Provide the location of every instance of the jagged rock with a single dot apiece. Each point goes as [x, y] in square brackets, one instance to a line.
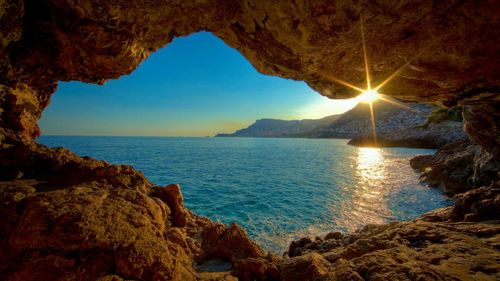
[306, 267]
[104, 228]
[458, 167]
[232, 244]
[257, 269]
[482, 124]
[71, 218]
[60, 233]
[334, 235]
[229, 243]
[172, 196]
[406, 251]
[478, 204]
[294, 248]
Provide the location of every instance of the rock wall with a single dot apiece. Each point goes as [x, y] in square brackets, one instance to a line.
[449, 48]
[71, 218]
[83, 219]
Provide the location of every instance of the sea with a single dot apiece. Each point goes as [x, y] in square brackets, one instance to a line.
[277, 189]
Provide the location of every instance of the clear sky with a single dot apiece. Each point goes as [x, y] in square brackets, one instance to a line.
[195, 86]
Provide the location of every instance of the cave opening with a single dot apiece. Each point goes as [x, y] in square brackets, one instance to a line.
[67, 217]
[156, 120]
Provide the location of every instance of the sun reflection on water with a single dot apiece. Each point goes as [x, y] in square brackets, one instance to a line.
[368, 196]
[369, 162]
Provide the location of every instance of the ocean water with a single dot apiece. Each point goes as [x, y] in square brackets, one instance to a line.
[277, 189]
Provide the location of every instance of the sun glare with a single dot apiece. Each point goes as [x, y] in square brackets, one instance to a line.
[368, 96]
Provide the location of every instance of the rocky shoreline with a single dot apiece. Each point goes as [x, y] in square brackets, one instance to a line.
[457, 167]
[71, 218]
[110, 223]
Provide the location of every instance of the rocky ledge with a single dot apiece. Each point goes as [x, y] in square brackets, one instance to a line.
[113, 225]
[71, 218]
[458, 167]
[117, 226]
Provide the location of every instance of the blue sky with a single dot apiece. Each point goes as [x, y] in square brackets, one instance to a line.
[195, 86]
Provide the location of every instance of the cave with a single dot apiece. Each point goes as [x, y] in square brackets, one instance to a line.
[72, 218]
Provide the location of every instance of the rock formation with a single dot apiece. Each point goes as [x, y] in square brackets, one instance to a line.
[109, 222]
[458, 167]
[71, 218]
[440, 246]
[352, 123]
[276, 128]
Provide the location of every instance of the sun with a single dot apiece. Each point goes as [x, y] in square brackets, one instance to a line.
[368, 96]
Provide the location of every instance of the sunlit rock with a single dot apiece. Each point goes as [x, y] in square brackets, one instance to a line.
[71, 218]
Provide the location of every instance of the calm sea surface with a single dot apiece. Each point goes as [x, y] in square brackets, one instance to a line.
[277, 189]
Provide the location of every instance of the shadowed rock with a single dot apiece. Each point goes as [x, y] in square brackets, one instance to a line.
[458, 167]
[71, 218]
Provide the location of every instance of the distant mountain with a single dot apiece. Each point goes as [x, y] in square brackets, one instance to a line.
[388, 117]
[347, 125]
[281, 128]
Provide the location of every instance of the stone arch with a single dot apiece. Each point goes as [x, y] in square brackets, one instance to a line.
[45, 41]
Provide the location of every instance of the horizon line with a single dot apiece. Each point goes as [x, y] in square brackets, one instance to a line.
[152, 136]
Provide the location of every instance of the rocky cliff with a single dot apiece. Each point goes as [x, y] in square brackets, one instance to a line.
[388, 118]
[71, 218]
[354, 122]
[282, 128]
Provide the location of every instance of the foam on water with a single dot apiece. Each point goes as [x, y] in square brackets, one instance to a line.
[277, 189]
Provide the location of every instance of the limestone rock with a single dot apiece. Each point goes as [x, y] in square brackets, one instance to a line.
[458, 167]
[449, 49]
[172, 196]
[478, 204]
[406, 251]
[103, 226]
[306, 267]
[229, 243]
[258, 269]
[71, 218]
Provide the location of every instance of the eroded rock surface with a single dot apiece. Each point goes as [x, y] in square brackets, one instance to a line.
[111, 224]
[458, 167]
[438, 247]
[71, 218]
[449, 48]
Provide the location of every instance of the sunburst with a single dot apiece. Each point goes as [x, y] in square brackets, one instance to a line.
[371, 94]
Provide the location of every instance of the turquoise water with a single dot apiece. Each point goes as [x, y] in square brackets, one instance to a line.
[277, 189]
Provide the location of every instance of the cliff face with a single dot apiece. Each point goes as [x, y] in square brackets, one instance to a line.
[70, 218]
[450, 48]
[354, 122]
[388, 118]
[282, 128]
